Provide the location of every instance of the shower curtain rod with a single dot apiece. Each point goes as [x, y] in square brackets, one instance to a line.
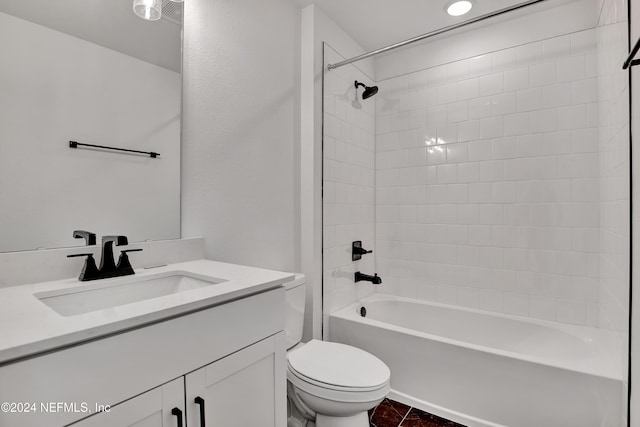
[434, 33]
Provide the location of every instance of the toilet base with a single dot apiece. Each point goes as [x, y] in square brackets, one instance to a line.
[360, 419]
[297, 418]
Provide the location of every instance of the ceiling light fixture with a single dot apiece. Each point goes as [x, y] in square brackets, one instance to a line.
[151, 10]
[458, 7]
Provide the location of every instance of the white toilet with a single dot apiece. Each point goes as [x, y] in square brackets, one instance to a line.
[331, 384]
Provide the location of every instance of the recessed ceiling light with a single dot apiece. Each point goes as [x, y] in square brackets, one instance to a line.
[459, 7]
[151, 10]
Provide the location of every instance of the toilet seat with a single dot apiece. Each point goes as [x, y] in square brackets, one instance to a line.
[337, 367]
[345, 396]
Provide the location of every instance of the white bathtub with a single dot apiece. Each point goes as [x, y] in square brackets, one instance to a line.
[484, 369]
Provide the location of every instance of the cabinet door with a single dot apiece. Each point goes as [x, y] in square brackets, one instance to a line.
[161, 407]
[244, 389]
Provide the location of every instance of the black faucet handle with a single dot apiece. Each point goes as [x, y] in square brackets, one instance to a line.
[118, 240]
[124, 267]
[79, 255]
[90, 270]
[89, 237]
[130, 250]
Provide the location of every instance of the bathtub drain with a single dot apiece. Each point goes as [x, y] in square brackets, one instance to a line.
[363, 311]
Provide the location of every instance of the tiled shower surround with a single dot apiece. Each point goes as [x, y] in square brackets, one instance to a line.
[614, 175]
[614, 166]
[487, 181]
[348, 184]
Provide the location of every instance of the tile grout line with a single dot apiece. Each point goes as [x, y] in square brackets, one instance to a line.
[405, 416]
[371, 424]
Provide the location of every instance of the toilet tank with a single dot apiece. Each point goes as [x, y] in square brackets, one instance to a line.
[295, 298]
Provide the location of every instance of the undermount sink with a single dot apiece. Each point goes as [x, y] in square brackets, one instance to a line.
[99, 296]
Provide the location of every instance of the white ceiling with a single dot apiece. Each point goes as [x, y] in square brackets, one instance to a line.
[378, 23]
[372, 23]
[108, 23]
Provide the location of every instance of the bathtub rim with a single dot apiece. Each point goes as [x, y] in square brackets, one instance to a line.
[606, 362]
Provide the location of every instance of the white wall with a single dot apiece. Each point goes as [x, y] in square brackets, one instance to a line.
[56, 88]
[240, 105]
[317, 28]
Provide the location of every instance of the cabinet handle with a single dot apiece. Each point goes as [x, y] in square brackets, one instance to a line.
[200, 401]
[178, 413]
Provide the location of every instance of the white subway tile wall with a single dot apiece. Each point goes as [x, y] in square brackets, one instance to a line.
[614, 233]
[614, 166]
[349, 179]
[488, 182]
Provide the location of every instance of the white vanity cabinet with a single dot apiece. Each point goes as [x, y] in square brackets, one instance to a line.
[160, 407]
[238, 390]
[231, 355]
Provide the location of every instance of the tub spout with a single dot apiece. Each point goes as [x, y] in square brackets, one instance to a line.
[375, 279]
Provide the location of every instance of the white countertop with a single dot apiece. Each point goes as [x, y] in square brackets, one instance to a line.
[29, 327]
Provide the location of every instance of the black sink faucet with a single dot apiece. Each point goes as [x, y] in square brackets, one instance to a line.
[108, 267]
[107, 263]
[375, 279]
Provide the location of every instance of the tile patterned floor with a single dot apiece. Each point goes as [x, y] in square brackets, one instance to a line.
[390, 413]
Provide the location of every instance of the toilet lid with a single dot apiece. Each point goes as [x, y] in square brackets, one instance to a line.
[339, 365]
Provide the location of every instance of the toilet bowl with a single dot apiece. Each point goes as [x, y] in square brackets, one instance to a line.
[329, 384]
[334, 384]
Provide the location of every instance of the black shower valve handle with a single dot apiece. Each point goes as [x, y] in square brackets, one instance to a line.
[357, 250]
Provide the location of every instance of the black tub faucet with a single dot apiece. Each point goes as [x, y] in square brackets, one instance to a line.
[375, 279]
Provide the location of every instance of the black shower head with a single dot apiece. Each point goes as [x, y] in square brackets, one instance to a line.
[368, 91]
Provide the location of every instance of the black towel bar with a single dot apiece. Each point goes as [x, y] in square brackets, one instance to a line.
[74, 144]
